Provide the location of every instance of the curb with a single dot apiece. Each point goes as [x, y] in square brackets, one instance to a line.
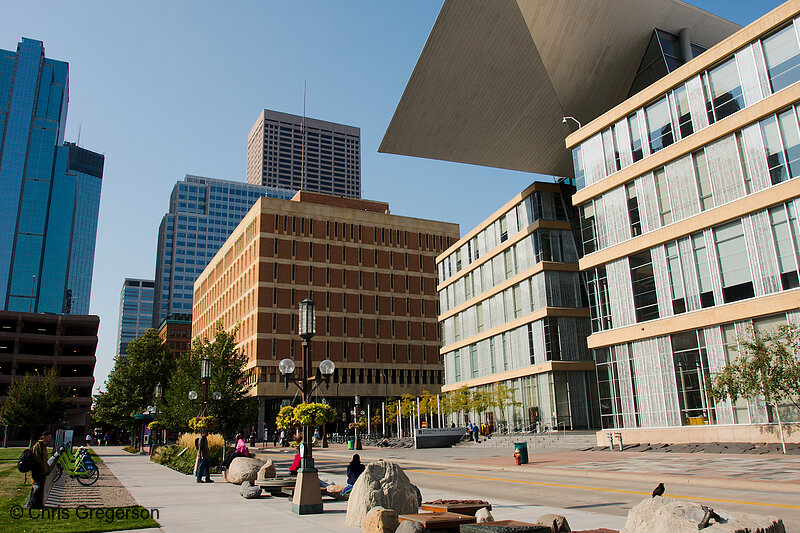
[767, 486]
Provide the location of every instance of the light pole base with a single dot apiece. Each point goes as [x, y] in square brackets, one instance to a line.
[307, 498]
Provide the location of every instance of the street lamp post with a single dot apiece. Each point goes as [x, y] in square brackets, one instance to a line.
[307, 498]
[357, 439]
[205, 375]
[157, 394]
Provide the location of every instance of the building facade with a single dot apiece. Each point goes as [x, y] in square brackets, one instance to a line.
[135, 311]
[49, 190]
[32, 343]
[689, 224]
[202, 214]
[176, 332]
[303, 153]
[372, 276]
[512, 308]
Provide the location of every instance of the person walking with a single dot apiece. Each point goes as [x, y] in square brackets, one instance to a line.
[275, 436]
[203, 456]
[283, 438]
[476, 431]
[252, 438]
[39, 471]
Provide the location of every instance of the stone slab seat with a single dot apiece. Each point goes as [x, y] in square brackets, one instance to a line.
[438, 520]
[504, 526]
[289, 491]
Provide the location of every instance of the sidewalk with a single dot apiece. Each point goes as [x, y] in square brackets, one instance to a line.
[757, 472]
[184, 505]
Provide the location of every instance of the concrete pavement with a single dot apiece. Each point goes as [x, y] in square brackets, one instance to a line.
[183, 505]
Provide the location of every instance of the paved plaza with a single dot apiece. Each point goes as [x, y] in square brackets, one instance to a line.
[186, 506]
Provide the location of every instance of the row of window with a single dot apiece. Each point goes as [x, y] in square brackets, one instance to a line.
[763, 154]
[686, 269]
[772, 63]
[538, 205]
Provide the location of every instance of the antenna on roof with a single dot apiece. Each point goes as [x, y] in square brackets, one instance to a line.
[79, 134]
[303, 133]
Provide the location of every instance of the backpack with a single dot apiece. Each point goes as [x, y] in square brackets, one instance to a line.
[25, 463]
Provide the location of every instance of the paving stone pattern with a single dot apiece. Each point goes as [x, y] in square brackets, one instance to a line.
[107, 491]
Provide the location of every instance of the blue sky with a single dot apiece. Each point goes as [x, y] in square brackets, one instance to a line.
[166, 89]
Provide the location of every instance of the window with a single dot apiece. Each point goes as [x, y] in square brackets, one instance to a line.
[609, 149]
[691, 369]
[644, 286]
[776, 158]
[552, 346]
[785, 237]
[748, 184]
[726, 91]
[662, 191]
[659, 125]
[737, 283]
[473, 359]
[703, 270]
[588, 233]
[675, 278]
[703, 180]
[633, 209]
[782, 56]
[580, 172]
[503, 229]
[597, 288]
[636, 138]
[530, 343]
[684, 115]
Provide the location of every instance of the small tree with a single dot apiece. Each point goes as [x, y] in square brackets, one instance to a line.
[428, 404]
[33, 402]
[502, 397]
[767, 367]
[481, 402]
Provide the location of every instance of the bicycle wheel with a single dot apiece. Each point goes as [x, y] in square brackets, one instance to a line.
[59, 470]
[88, 476]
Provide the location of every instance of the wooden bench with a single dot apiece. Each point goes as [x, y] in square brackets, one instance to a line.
[458, 508]
[438, 520]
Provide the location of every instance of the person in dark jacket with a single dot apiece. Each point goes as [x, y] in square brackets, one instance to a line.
[354, 469]
[203, 456]
[39, 471]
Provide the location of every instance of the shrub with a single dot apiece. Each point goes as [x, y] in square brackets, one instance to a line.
[216, 445]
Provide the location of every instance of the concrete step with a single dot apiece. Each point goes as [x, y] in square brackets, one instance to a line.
[565, 440]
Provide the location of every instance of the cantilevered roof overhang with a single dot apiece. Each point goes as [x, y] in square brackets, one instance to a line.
[496, 77]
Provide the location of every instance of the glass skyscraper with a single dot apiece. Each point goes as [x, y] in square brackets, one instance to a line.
[135, 311]
[49, 190]
[202, 214]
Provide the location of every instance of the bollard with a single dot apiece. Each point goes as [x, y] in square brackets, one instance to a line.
[610, 441]
[619, 436]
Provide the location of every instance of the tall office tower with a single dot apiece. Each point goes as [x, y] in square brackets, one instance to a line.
[511, 309]
[371, 275]
[202, 213]
[135, 311]
[276, 146]
[49, 190]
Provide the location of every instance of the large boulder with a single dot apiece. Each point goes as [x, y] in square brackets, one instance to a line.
[418, 493]
[242, 469]
[557, 520]
[382, 484]
[380, 520]
[249, 492]
[667, 515]
[267, 471]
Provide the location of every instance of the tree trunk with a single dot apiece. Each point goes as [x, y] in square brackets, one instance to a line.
[780, 427]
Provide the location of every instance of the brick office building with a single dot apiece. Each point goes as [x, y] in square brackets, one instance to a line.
[176, 332]
[371, 275]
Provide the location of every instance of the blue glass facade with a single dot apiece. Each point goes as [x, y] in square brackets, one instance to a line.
[135, 311]
[49, 190]
[203, 212]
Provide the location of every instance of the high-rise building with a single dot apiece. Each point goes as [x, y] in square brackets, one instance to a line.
[511, 309]
[49, 190]
[202, 214]
[685, 177]
[303, 153]
[373, 280]
[135, 311]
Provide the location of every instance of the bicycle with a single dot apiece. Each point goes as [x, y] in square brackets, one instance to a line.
[80, 466]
